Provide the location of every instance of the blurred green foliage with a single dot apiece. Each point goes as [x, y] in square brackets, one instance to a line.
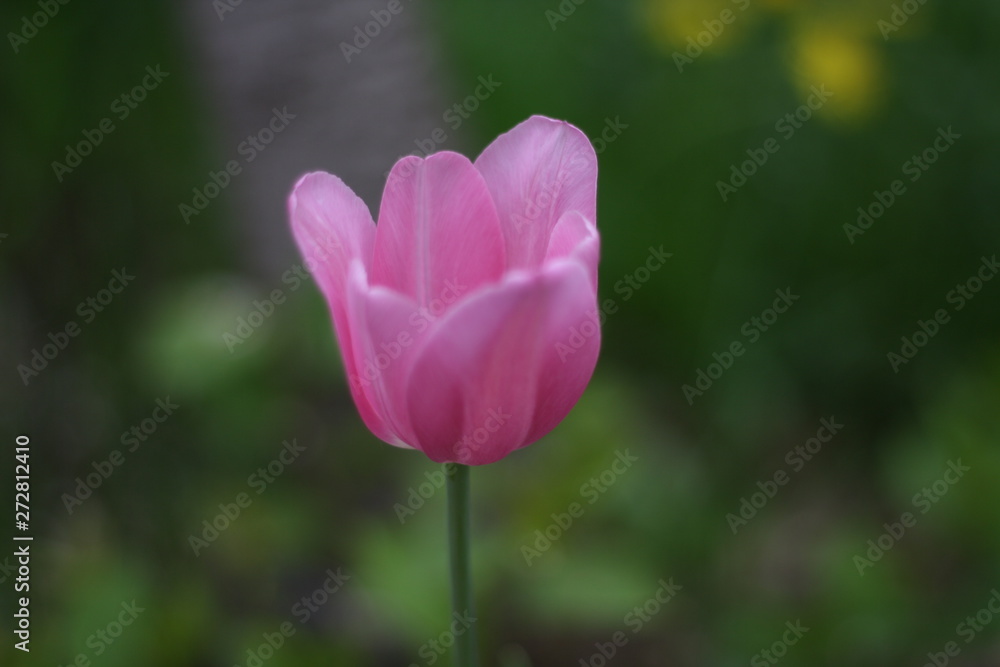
[337, 505]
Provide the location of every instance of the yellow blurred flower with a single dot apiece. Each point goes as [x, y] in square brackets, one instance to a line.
[834, 45]
[844, 59]
[710, 24]
[778, 5]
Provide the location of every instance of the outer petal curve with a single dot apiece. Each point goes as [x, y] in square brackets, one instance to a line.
[386, 336]
[475, 392]
[537, 172]
[333, 228]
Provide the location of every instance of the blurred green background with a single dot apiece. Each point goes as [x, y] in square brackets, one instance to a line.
[675, 119]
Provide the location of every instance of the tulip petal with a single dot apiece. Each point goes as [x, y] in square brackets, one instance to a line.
[388, 330]
[566, 366]
[332, 228]
[438, 231]
[537, 172]
[478, 387]
[575, 236]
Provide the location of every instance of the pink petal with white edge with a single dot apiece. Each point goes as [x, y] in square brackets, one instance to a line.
[537, 172]
[438, 231]
[475, 392]
[575, 236]
[332, 228]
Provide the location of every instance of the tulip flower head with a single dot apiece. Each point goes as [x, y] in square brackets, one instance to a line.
[467, 318]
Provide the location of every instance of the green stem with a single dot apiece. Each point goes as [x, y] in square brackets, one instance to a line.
[461, 577]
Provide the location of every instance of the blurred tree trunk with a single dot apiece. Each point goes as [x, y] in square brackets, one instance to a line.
[353, 119]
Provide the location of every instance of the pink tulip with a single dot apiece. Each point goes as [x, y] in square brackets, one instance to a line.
[467, 319]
